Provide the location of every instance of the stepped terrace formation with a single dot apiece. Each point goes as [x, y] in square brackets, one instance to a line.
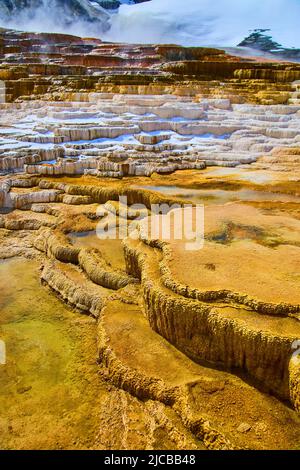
[155, 346]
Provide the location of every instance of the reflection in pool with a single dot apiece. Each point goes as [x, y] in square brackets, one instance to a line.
[49, 386]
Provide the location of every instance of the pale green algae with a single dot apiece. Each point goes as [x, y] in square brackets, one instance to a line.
[50, 391]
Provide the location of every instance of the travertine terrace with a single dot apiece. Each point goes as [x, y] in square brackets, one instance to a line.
[179, 349]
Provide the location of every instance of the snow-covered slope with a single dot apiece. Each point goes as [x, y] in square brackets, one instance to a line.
[54, 15]
[81, 17]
